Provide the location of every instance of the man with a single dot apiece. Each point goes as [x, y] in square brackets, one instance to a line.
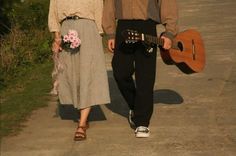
[129, 59]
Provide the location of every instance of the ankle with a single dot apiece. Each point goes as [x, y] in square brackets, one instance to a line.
[83, 124]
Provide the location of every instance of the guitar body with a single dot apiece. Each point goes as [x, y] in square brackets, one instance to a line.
[189, 57]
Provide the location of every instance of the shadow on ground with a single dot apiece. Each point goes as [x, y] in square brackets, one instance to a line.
[162, 96]
[117, 105]
[68, 112]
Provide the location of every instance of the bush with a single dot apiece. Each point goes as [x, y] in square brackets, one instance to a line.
[28, 14]
[28, 41]
[5, 9]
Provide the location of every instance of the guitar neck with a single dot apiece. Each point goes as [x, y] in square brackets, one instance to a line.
[152, 39]
[156, 40]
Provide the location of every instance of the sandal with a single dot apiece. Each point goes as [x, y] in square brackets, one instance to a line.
[79, 136]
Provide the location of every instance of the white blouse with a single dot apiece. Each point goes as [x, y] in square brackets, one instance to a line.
[60, 9]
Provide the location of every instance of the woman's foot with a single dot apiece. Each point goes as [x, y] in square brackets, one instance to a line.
[80, 133]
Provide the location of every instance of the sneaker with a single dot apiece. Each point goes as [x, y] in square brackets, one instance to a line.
[131, 122]
[142, 132]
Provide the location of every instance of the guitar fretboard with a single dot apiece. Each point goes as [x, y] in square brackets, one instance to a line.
[153, 39]
[158, 41]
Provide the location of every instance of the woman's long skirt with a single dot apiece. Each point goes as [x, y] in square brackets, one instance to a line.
[83, 79]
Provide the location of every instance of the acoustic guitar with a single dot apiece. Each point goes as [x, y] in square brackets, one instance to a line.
[187, 51]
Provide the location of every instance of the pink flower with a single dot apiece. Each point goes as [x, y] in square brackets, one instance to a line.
[72, 33]
[76, 44]
[72, 46]
[66, 38]
[77, 41]
[71, 39]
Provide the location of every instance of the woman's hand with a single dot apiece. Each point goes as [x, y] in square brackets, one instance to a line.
[56, 45]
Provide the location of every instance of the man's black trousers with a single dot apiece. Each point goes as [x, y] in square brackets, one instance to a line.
[134, 59]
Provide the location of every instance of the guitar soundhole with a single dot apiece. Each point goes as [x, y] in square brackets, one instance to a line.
[180, 46]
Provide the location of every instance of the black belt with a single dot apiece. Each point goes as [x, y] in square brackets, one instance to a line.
[70, 18]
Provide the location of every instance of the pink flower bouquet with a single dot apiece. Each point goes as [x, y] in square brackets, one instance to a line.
[71, 41]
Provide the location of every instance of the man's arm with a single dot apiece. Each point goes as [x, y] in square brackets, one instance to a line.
[169, 17]
[108, 19]
[109, 22]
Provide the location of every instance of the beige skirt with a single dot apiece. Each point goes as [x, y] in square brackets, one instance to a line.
[82, 80]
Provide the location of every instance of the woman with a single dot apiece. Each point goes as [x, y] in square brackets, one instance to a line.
[82, 78]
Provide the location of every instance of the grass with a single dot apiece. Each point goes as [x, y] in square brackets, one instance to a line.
[27, 93]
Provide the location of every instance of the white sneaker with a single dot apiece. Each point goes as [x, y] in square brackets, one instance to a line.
[142, 132]
[131, 122]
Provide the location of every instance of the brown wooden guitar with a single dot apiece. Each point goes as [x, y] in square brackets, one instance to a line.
[187, 51]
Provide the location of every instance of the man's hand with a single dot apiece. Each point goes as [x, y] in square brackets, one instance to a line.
[167, 43]
[111, 45]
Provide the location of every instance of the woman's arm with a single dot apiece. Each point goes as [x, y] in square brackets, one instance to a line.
[54, 26]
[56, 45]
[53, 21]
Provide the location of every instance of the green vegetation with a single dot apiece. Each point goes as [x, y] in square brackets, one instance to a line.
[28, 41]
[28, 93]
[19, 51]
[25, 60]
